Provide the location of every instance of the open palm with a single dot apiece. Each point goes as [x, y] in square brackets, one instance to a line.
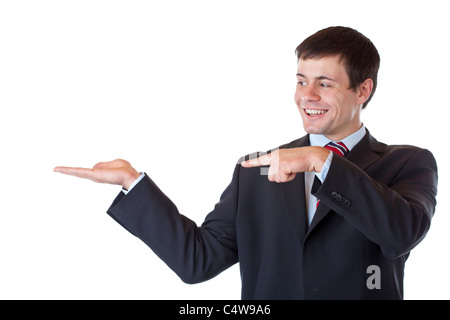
[118, 172]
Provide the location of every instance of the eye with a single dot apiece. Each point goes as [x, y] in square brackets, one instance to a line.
[301, 83]
[324, 85]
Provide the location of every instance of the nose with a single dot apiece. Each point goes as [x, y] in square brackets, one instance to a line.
[308, 93]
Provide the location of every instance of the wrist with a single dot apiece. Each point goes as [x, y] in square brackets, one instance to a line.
[130, 179]
[320, 157]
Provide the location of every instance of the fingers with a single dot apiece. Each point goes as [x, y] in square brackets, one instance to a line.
[257, 162]
[279, 169]
[88, 173]
[77, 172]
[65, 170]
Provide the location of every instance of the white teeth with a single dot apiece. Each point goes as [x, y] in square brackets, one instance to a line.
[315, 112]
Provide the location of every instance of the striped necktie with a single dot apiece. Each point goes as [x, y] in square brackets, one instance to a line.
[338, 148]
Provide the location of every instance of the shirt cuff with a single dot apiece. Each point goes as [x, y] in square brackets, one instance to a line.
[134, 183]
[326, 166]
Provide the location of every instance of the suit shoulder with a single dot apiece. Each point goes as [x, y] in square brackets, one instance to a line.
[404, 148]
[301, 142]
[410, 152]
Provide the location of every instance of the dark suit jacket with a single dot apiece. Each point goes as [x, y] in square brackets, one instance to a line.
[376, 205]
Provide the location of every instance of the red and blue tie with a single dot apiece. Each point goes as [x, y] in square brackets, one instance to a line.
[338, 148]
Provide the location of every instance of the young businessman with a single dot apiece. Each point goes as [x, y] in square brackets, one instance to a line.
[337, 213]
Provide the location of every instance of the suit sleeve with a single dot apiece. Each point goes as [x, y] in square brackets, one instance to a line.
[394, 211]
[194, 253]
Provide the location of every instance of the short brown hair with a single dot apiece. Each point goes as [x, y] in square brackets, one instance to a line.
[356, 51]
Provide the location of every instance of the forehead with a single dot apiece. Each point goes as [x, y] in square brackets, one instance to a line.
[330, 67]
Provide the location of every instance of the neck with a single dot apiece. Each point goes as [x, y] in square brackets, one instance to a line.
[338, 136]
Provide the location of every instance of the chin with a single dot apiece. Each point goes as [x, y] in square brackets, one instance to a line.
[312, 130]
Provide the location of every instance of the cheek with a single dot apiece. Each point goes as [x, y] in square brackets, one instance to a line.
[339, 97]
[297, 96]
[336, 97]
[340, 103]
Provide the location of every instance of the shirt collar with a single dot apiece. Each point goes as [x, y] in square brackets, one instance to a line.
[350, 141]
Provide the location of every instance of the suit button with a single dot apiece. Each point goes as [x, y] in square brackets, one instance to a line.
[347, 202]
[336, 196]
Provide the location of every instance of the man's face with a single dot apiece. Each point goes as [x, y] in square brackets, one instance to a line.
[325, 100]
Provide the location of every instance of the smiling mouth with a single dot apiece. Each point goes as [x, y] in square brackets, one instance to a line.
[315, 112]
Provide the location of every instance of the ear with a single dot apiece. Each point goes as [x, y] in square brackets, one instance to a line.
[365, 89]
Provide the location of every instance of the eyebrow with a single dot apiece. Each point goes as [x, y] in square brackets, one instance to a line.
[317, 78]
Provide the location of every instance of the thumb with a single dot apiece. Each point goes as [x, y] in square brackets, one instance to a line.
[99, 165]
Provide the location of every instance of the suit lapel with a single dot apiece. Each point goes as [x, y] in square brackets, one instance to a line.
[366, 152]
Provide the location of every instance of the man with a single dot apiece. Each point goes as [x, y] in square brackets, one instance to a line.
[328, 221]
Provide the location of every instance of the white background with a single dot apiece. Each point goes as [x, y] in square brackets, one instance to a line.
[182, 89]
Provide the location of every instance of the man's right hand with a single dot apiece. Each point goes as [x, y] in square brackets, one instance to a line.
[118, 172]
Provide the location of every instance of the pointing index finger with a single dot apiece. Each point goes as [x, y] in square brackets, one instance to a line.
[257, 162]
